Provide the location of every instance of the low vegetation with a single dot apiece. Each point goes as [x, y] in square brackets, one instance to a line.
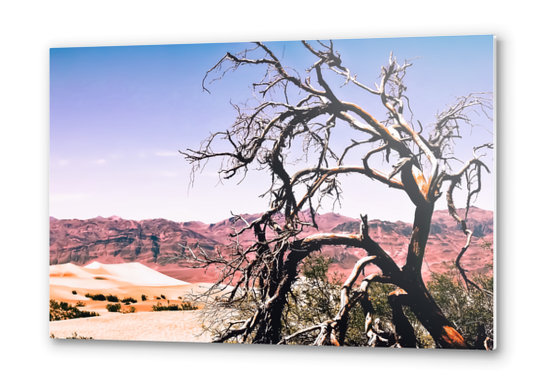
[113, 307]
[64, 311]
[97, 297]
[118, 308]
[471, 311]
[173, 307]
[317, 297]
[112, 298]
[128, 300]
[73, 336]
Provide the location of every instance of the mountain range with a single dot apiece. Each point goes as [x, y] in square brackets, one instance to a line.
[154, 242]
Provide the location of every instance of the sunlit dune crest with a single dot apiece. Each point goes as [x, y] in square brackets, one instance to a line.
[74, 285]
[97, 275]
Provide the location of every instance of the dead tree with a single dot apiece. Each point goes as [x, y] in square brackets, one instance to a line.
[299, 116]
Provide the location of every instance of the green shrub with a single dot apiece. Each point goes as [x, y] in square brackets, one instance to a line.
[118, 308]
[73, 336]
[113, 307]
[128, 300]
[97, 297]
[112, 298]
[466, 310]
[319, 293]
[76, 336]
[64, 311]
[317, 297]
[173, 307]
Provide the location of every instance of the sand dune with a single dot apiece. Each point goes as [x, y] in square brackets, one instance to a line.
[109, 275]
[70, 283]
[148, 326]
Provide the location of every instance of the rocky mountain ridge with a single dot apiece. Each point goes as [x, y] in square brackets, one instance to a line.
[154, 242]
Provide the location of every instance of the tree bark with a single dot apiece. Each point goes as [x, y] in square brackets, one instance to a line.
[269, 330]
[429, 314]
[419, 299]
[404, 331]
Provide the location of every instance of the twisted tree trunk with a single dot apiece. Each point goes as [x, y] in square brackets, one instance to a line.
[419, 300]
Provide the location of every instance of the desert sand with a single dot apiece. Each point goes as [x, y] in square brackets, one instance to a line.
[124, 280]
[146, 326]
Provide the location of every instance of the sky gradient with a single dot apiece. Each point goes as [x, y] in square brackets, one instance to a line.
[119, 115]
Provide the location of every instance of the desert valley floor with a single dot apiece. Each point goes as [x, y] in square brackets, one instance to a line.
[124, 280]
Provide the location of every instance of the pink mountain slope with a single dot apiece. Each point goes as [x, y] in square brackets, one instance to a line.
[155, 242]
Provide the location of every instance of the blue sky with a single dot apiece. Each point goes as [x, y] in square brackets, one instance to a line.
[119, 115]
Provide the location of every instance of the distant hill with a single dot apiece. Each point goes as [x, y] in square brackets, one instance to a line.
[151, 242]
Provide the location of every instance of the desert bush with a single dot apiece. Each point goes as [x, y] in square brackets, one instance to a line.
[112, 298]
[129, 310]
[143, 297]
[80, 304]
[173, 307]
[76, 336]
[163, 297]
[113, 307]
[74, 292]
[64, 311]
[97, 297]
[128, 300]
[317, 295]
[467, 309]
[73, 336]
[315, 298]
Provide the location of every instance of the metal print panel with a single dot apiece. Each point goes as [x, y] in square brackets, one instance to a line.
[297, 193]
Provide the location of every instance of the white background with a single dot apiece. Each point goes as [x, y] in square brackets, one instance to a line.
[28, 29]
